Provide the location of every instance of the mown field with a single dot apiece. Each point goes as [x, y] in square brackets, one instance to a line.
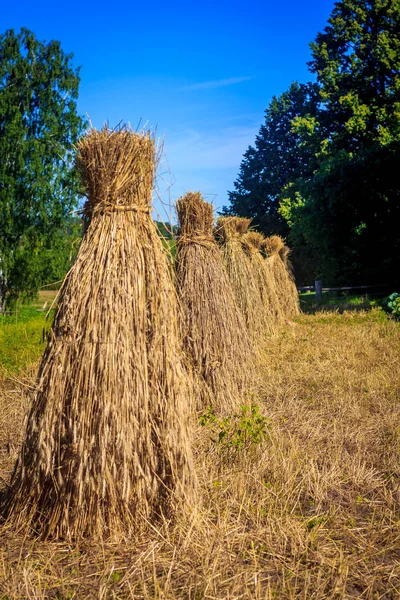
[298, 498]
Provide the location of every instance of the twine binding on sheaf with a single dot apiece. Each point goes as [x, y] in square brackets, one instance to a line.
[197, 238]
[110, 208]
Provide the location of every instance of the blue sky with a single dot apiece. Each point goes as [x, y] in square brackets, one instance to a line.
[201, 74]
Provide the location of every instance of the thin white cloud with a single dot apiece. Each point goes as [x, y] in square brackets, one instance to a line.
[208, 85]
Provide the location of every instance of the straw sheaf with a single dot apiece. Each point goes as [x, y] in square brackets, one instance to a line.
[196, 217]
[281, 272]
[253, 242]
[115, 181]
[231, 227]
[213, 331]
[107, 440]
[285, 253]
[272, 245]
[230, 233]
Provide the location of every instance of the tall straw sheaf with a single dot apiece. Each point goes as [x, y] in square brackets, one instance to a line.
[253, 242]
[278, 267]
[213, 330]
[107, 441]
[230, 232]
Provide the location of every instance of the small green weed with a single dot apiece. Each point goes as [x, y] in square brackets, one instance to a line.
[316, 522]
[116, 576]
[242, 430]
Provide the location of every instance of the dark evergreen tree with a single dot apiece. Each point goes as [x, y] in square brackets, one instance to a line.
[347, 215]
[325, 160]
[279, 156]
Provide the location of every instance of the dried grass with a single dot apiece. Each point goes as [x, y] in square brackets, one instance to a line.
[312, 513]
[278, 267]
[230, 232]
[213, 331]
[107, 444]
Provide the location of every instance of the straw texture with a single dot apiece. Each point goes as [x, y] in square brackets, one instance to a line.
[107, 439]
[213, 330]
[252, 242]
[293, 295]
[278, 265]
[230, 232]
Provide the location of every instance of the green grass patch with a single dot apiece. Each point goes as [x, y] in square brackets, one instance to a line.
[331, 301]
[375, 315]
[22, 339]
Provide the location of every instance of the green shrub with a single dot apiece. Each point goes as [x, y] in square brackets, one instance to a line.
[392, 305]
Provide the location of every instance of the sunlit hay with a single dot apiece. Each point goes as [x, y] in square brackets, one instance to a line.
[277, 263]
[293, 294]
[272, 245]
[284, 253]
[229, 232]
[213, 331]
[266, 282]
[107, 442]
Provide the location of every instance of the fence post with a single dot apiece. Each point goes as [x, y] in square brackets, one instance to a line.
[318, 289]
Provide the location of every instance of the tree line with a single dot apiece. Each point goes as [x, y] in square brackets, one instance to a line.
[323, 169]
[40, 197]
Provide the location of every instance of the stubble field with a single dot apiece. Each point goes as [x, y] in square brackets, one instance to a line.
[298, 500]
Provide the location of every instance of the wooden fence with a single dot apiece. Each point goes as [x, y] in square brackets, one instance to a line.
[318, 288]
